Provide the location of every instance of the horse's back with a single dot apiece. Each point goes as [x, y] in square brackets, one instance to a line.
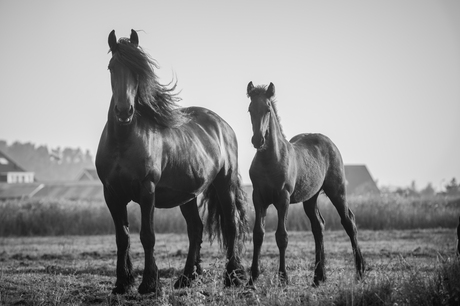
[318, 159]
[318, 146]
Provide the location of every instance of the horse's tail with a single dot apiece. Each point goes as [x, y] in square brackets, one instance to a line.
[217, 216]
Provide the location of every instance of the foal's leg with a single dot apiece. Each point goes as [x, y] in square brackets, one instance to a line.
[150, 281]
[281, 235]
[195, 233]
[119, 214]
[338, 199]
[317, 226]
[258, 234]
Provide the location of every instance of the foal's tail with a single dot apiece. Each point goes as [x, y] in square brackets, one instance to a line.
[226, 215]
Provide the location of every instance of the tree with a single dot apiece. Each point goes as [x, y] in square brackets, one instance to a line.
[453, 189]
[428, 191]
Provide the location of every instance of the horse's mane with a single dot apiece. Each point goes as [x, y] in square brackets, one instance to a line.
[155, 100]
[262, 90]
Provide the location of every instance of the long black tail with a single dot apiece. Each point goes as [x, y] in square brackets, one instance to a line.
[216, 222]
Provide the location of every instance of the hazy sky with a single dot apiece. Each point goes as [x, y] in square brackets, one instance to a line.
[380, 78]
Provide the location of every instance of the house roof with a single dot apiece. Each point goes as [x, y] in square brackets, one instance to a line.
[89, 190]
[88, 174]
[8, 165]
[359, 180]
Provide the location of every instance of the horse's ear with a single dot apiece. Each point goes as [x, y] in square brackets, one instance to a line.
[270, 90]
[250, 88]
[113, 42]
[134, 39]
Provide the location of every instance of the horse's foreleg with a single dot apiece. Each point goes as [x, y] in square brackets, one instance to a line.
[281, 235]
[119, 214]
[258, 235]
[317, 227]
[150, 281]
[195, 233]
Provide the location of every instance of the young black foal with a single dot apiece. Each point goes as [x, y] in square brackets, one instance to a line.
[284, 172]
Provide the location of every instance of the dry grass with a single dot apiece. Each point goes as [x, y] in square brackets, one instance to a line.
[415, 267]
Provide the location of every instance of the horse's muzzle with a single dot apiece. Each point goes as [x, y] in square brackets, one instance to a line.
[124, 116]
[258, 142]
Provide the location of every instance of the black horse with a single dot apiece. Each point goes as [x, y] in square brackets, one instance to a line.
[284, 172]
[161, 156]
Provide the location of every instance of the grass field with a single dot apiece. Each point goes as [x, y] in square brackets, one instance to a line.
[404, 267]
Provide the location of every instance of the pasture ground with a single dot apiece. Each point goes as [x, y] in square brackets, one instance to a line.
[80, 270]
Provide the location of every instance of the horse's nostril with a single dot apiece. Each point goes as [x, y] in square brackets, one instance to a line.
[131, 110]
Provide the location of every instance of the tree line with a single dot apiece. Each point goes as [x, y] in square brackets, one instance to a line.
[48, 164]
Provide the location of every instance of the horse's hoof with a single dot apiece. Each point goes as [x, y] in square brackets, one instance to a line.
[148, 287]
[317, 281]
[121, 289]
[182, 282]
[235, 278]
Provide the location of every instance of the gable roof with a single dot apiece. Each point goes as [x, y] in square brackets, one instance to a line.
[359, 180]
[8, 165]
[88, 174]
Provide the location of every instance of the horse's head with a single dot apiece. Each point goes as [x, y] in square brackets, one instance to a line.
[260, 110]
[124, 80]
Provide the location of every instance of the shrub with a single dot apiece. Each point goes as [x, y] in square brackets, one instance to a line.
[72, 217]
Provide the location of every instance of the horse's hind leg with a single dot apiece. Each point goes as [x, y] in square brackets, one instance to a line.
[317, 226]
[338, 198]
[229, 195]
[195, 233]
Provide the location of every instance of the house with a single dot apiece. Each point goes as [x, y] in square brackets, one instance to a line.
[10, 172]
[359, 180]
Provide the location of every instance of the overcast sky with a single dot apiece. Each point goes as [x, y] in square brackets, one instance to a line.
[380, 78]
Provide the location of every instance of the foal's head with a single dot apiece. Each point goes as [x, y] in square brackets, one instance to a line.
[260, 109]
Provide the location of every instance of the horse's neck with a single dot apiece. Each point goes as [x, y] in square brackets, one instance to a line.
[277, 145]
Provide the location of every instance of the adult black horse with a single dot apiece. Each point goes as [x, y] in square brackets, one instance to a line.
[284, 172]
[161, 156]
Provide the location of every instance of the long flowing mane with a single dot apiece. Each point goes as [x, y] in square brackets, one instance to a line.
[154, 100]
[262, 90]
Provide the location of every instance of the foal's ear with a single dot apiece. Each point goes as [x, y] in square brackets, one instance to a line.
[113, 42]
[270, 90]
[134, 39]
[250, 88]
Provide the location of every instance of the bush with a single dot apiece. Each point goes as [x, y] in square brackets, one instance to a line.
[66, 217]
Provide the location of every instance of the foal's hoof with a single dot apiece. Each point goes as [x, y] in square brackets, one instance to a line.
[148, 287]
[250, 286]
[182, 282]
[283, 278]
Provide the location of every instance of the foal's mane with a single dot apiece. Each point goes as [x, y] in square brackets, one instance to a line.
[155, 100]
[261, 90]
